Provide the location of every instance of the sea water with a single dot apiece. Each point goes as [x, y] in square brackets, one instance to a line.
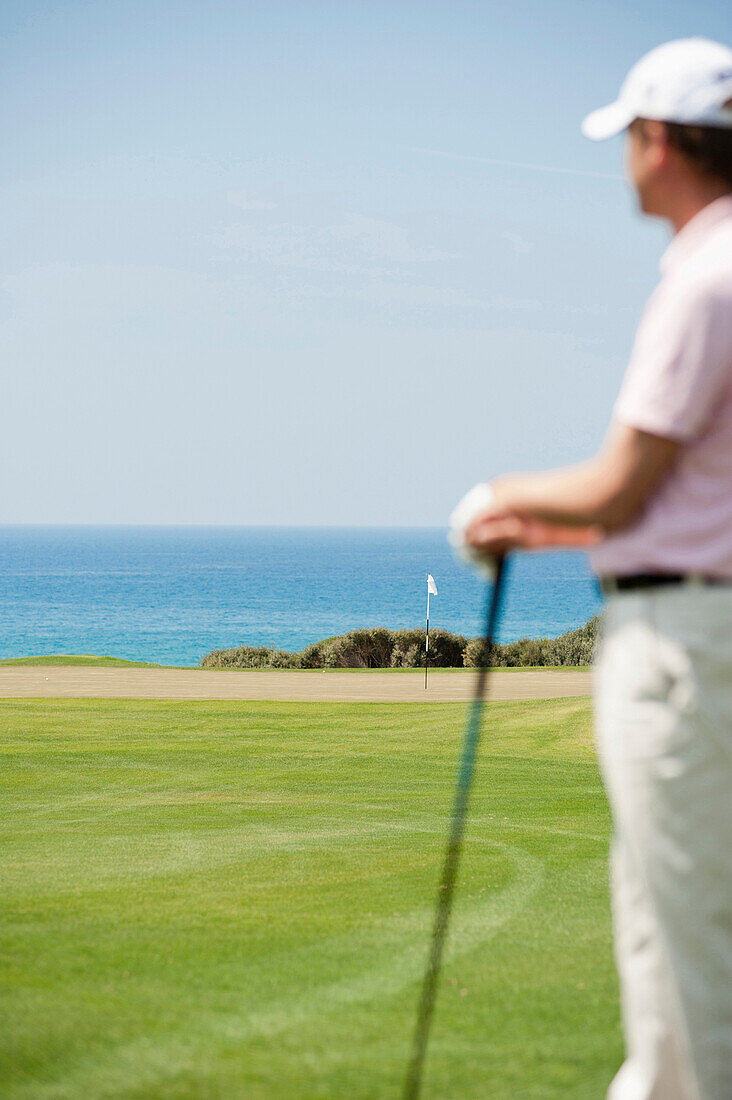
[171, 594]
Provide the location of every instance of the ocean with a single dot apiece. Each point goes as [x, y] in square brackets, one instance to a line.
[171, 594]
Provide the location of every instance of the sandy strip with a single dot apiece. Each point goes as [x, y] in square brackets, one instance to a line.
[68, 682]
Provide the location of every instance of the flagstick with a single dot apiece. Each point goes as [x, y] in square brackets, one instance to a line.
[427, 638]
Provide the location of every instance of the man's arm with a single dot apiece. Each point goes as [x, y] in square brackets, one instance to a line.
[601, 495]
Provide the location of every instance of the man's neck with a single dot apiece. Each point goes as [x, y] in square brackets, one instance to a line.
[689, 201]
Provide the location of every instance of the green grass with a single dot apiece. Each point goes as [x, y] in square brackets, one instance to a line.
[232, 901]
[79, 659]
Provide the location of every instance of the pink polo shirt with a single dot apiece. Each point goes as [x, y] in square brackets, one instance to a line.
[678, 385]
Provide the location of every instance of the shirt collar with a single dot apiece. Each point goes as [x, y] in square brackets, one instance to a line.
[695, 232]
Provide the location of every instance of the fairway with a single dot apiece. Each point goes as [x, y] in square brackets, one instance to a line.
[234, 899]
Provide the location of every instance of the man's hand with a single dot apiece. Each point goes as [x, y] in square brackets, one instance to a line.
[481, 528]
[493, 533]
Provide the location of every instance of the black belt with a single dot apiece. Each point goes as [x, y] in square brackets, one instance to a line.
[634, 581]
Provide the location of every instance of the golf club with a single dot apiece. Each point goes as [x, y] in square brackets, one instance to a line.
[413, 1083]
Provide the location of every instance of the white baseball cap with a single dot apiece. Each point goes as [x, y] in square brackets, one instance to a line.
[687, 81]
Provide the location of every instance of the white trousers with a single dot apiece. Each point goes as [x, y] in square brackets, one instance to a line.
[663, 685]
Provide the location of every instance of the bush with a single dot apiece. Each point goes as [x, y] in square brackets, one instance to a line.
[381, 648]
[576, 647]
[404, 655]
[446, 649]
[358, 649]
[249, 656]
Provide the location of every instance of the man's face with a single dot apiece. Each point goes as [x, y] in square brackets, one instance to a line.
[645, 159]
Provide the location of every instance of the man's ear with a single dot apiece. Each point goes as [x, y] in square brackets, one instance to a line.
[655, 131]
[656, 137]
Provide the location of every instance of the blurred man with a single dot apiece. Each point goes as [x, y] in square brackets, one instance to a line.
[655, 506]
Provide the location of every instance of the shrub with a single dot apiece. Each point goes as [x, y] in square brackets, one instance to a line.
[404, 655]
[249, 656]
[446, 649]
[576, 647]
[381, 648]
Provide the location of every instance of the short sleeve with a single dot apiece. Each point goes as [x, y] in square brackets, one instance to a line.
[681, 361]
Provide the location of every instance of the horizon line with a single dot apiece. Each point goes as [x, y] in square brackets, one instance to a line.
[241, 526]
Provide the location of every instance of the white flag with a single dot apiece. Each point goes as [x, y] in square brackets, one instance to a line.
[431, 586]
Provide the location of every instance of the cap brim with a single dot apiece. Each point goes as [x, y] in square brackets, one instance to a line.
[607, 121]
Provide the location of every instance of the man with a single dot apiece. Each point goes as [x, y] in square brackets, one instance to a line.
[655, 506]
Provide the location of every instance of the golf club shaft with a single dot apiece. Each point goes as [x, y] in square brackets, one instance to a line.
[413, 1083]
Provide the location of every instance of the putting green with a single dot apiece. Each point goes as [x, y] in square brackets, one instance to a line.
[74, 660]
[222, 899]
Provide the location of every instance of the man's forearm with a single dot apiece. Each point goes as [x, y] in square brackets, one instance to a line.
[609, 491]
[580, 496]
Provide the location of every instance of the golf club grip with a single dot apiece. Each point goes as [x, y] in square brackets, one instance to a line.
[413, 1083]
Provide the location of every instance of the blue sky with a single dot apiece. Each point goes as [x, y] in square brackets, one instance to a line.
[311, 263]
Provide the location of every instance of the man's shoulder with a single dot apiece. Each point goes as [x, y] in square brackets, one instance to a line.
[703, 280]
[709, 268]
